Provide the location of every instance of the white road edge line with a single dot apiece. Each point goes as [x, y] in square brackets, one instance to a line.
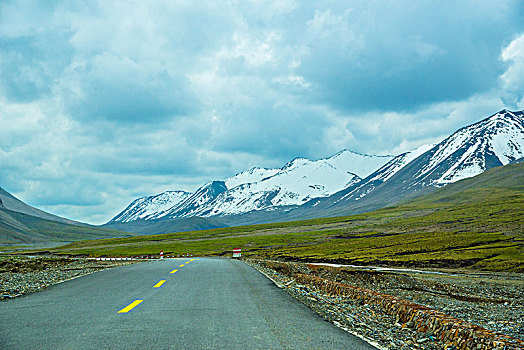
[367, 340]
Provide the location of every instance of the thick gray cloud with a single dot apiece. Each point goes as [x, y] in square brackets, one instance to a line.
[120, 89]
[393, 56]
[101, 102]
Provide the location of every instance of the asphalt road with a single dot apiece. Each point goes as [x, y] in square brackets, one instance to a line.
[205, 304]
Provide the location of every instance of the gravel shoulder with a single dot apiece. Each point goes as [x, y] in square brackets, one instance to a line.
[21, 275]
[494, 301]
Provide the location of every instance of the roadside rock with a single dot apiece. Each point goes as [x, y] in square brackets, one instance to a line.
[410, 311]
[24, 275]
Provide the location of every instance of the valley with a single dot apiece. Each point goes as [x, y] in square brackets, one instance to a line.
[476, 223]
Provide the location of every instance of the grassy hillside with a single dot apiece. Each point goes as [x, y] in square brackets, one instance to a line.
[475, 223]
[10, 202]
[17, 227]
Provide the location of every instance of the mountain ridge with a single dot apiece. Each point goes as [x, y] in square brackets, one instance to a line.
[472, 149]
[10, 202]
[257, 188]
[423, 174]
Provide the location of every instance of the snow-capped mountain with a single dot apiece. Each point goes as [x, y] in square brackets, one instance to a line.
[252, 175]
[360, 189]
[349, 182]
[193, 205]
[150, 207]
[494, 141]
[265, 189]
[296, 183]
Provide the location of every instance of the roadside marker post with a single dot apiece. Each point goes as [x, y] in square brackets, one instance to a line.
[237, 252]
[161, 254]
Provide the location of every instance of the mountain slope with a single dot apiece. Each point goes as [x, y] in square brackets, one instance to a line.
[10, 202]
[22, 223]
[150, 207]
[17, 227]
[158, 226]
[509, 178]
[193, 204]
[494, 141]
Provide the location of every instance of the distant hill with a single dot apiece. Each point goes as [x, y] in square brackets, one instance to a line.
[10, 202]
[22, 223]
[16, 227]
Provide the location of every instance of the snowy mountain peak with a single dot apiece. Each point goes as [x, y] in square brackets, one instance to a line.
[295, 163]
[295, 183]
[254, 174]
[359, 164]
[494, 141]
[150, 207]
[348, 151]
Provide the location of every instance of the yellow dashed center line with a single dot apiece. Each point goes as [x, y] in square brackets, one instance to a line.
[161, 282]
[130, 306]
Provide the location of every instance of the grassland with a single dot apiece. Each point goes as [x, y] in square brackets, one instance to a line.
[476, 223]
[484, 235]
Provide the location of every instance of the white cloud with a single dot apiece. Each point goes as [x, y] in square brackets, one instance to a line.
[103, 102]
[513, 78]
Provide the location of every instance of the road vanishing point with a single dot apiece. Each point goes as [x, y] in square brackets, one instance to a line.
[189, 303]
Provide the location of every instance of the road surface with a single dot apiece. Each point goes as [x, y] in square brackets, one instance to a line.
[174, 303]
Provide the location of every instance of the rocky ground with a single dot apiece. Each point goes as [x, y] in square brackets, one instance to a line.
[20, 275]
[493, 301]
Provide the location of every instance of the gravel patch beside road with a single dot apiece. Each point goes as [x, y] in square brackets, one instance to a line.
[493, 301]
[23, 275]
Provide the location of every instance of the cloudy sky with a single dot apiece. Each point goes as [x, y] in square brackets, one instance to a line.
[105, 101]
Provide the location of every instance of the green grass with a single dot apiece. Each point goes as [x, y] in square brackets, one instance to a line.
[415, 235]
[476, 223]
